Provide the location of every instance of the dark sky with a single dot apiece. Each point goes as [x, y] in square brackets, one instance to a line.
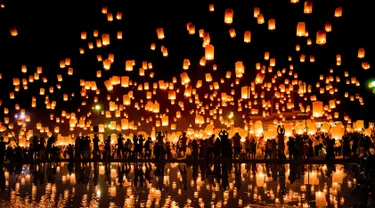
[50, 31]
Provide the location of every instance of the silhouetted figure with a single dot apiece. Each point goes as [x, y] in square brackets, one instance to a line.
[148, 148]
[291, 148]
[107, 148]
[2, 149]
[345, 146]
[96, 152]
[237, 145]
[120, 145]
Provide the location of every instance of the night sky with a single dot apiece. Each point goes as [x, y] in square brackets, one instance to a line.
[49, 31]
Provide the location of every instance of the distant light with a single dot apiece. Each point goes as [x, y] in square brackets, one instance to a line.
[22, 116]
[372, 84]
[97, 107]
[230, 116]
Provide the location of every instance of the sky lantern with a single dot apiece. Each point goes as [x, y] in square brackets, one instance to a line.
[308, 7]
[119, 15]
[294, 1]
[105, 39]
[256, 12]
[232, 33]
[328, 27]
[260, 19]
[109, 17]
[160, 33]
[13, 31]
[211, 7]
[247, 37]
[321, 37]
[301, 29]
[365, 65]
[228, 17]
[318, 109]
[271, 24]
[209, 52]
[338, 12]
[83, 35]
[361, 53]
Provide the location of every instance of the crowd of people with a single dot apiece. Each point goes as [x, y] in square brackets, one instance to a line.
[298, 147]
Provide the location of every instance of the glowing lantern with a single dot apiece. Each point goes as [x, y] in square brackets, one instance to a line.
[361, 53]
[260, 19]
[365, 65]
[247, 37]
[13, 32]
[256, 12]
[321, 37]
[211, 8]
[328, 27]
[228, 17]
[258, 126]
[308, 6]
[317, 109]
[245, 92]
[271, 24]
[160, 33]
[209, 52]
[338, 12]
[301, 29]
[165, 121]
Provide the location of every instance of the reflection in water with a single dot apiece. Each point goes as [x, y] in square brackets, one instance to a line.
[176, 184]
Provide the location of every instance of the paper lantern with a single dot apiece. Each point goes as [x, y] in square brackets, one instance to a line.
[317, 109]
[258, 127]
[13, 31]
[361, 53]
[245, 92]
[337, 131]
[325, 127]
[308, 6]
[247, 37]
[338, 12]
[211, 7]
[209, 52]
[228, 17]
[321, 37]
[271, 24]
[301, 29]
[160, 33]
[256, 12]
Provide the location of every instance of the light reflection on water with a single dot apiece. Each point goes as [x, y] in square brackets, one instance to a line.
[176, 185]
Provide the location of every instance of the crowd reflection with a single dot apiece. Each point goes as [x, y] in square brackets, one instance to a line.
[178, 184]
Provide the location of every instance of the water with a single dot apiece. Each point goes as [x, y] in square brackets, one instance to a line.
[177, 185]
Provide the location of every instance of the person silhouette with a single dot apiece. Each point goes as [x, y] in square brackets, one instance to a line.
[2, 149]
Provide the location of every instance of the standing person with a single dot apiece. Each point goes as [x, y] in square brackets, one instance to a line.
[2, 149]
[107, 148]
[182, 140]
[148, 148]
[140, 145]
[120, 146]
[237, 145]
[96, 152]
